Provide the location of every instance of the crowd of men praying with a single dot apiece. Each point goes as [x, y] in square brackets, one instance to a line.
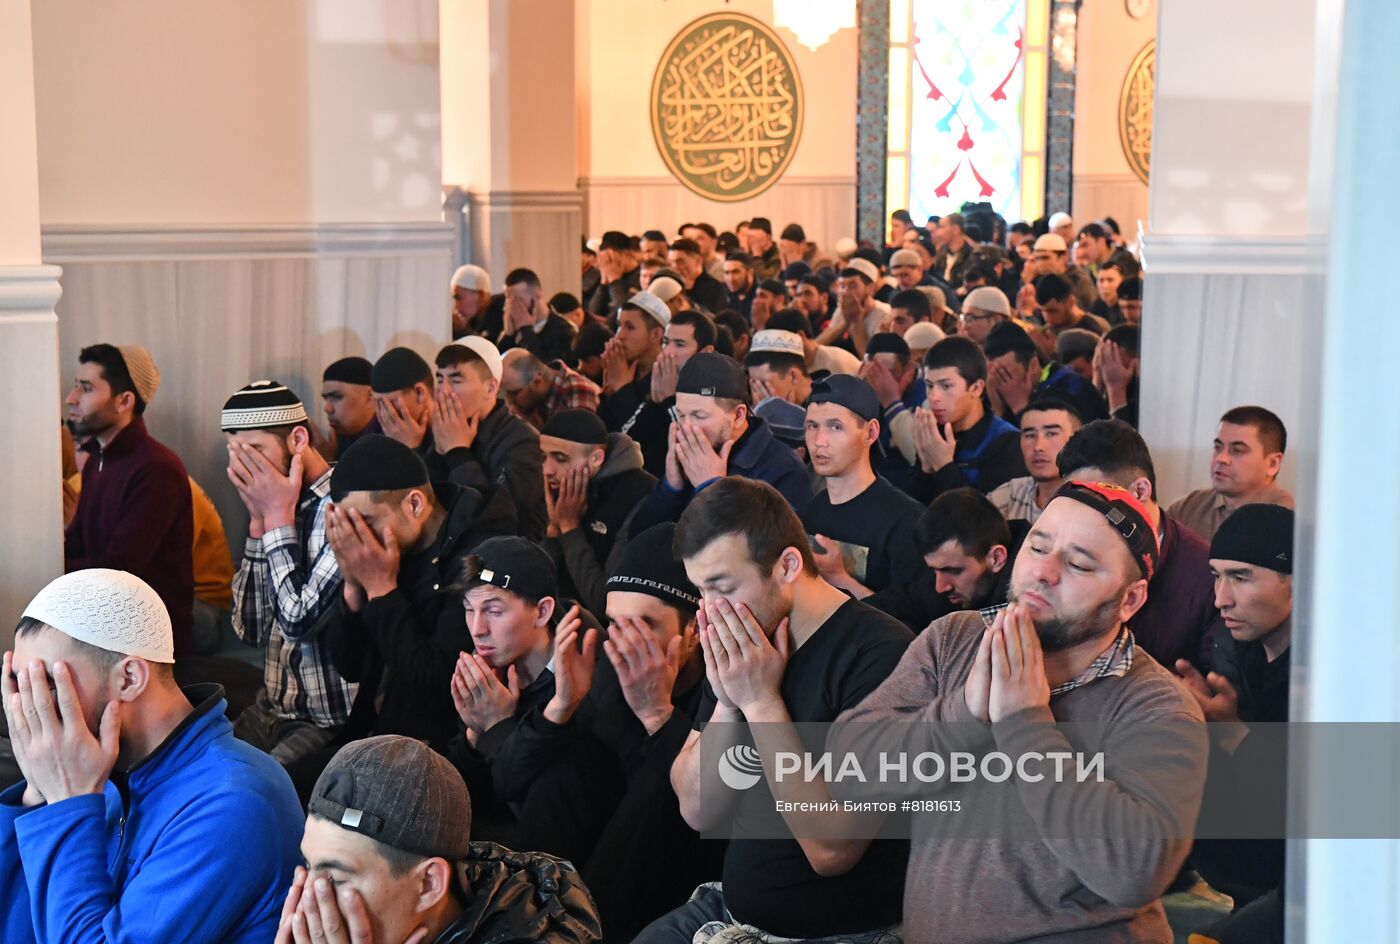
[510, 603]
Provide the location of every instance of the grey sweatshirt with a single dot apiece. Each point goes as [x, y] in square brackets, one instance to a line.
[1056, 889]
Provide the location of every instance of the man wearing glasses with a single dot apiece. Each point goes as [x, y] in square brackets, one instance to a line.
[981, 311]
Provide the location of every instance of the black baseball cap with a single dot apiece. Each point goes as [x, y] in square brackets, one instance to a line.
[714, 375]
[511, 563]
[849, 391]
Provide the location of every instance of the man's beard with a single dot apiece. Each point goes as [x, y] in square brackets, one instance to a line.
[92, 424]
[1059, 633]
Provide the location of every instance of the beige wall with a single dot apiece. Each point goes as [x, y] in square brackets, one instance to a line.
[626, 184]
[261, 111]
[1232, 117]
[1109, 39]
[19, 157]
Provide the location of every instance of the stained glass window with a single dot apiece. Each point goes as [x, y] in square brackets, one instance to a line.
[966, 106]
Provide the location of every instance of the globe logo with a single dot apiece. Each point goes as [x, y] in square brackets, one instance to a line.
[740, 767]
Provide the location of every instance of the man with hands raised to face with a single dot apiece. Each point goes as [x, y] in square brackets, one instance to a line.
[629, 356]
[478, 442]
[390, 860]
[998, 681]
[688, 333]
[593, 482]
[132, 786]
[399, 542]
[715, 435]
[956, 439]
[510, 597]
[529, 323]
[288, 579]
[780, 645]
[597, 757]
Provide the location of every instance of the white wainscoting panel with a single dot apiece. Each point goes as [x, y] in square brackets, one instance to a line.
[224, 306]
[1225, 323]
[540, 230]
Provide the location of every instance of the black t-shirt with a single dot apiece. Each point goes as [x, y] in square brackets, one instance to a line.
[769, 883]
[878, 528]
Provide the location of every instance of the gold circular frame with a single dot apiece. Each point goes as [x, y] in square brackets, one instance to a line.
[1135, 111]
[684, 125]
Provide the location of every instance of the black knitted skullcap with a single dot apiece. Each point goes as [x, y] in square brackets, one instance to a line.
[576, 426]
[377, 463]
[398, 369]
[351, 370]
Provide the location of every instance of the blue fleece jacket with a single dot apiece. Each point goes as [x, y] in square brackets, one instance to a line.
[196, 843]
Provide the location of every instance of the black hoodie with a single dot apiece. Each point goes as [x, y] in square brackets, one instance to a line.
[584, 554]
[407, 641]
[506, 452]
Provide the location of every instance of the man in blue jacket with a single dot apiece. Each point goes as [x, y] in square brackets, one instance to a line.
[140, 818]
[713, 434]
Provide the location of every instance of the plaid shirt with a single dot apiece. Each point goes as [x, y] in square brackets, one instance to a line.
[276, 589]
[571, 390]
[1016, 499]
[1116, 660]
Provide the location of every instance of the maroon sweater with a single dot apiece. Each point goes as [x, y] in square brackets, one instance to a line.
[1180, 607]
[135, 514]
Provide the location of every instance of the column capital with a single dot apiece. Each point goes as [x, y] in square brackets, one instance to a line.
[29, 293]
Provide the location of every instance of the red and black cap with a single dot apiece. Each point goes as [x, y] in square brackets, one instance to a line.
[1125, 514]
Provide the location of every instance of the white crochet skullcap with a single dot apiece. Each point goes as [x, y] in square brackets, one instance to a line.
[109, 609]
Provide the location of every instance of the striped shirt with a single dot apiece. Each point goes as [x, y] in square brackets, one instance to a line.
[1116, 660]
[283, 588]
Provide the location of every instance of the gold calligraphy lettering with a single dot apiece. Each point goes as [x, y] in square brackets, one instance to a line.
[1135, 111]
[726, 107]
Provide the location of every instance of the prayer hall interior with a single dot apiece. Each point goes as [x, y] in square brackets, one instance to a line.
[432, 300]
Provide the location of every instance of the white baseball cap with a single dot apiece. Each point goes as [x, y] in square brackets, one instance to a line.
[471, 277]
[109, 609]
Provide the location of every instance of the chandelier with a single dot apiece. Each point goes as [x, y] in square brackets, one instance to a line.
[814, 21]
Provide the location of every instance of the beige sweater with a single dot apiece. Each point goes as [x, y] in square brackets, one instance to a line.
[1058, 888]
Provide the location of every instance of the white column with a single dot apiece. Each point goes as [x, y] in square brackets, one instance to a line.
[1351, 888]
[510, 134]
[31, 540]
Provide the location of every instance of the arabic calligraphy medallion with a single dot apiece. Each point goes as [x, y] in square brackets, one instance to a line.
[1135, 111]
[726, 107]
